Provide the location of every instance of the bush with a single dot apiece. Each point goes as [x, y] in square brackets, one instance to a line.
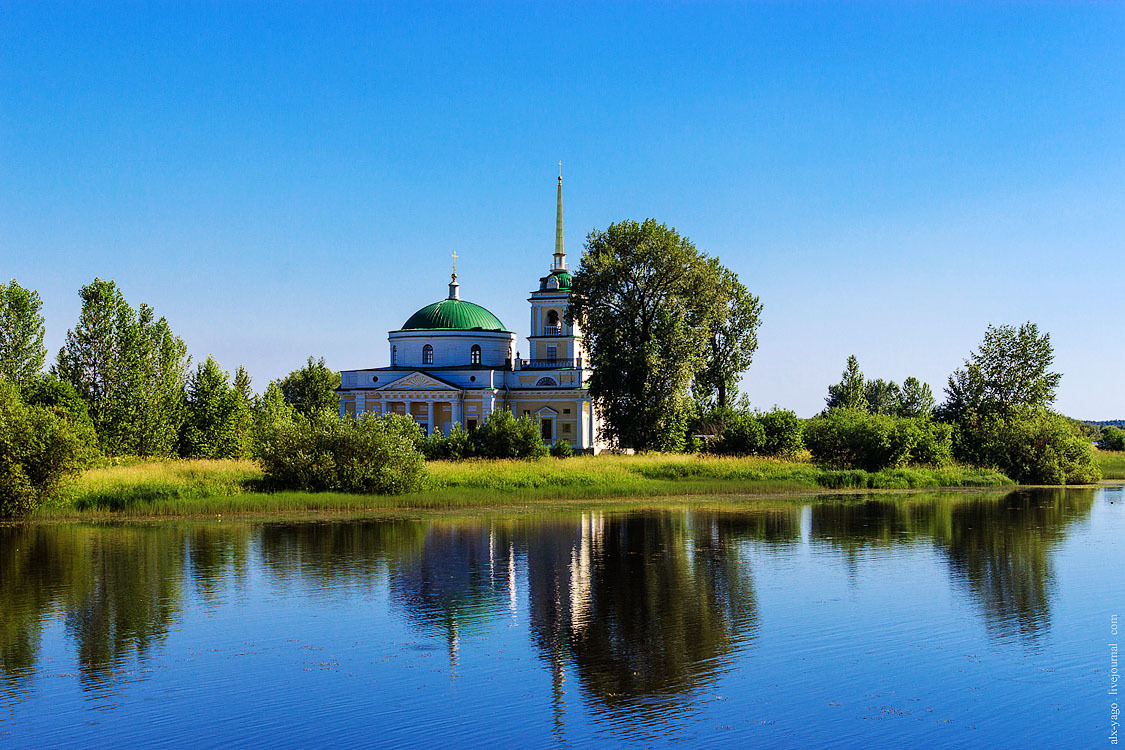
[39, 450]
[458, 445]
[1032, 446]
[1112, 439]
[562, 449]
[504, 436]
[743, 435]
[368, 455]
[62, 399]
[784, 433]
[855, 439]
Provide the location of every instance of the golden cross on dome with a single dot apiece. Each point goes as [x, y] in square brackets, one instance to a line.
[454, 256]
[560, 170]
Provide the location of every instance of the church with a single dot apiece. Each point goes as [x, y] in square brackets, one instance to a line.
[454, 362]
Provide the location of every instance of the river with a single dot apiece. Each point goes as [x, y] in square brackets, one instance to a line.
[944, 619]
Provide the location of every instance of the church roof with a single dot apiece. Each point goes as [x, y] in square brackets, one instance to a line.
[453, 314]
[563, 278]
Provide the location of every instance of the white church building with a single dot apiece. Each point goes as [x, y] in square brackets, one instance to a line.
[454, 362]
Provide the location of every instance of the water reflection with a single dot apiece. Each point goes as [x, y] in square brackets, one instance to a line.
[644, 611]
[998, 548]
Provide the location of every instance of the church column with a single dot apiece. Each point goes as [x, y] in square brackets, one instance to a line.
[455, 411]
[342, 412]
[579, 406]
[430, 417]
[360, 404]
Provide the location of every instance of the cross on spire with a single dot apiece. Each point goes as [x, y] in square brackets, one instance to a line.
[454, 256]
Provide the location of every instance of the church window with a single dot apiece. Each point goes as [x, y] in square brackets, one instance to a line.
[394, 356]
[552, 318]
[552, 352]
[545, 381]
[474, 355]
[566, 429]
[427, 355]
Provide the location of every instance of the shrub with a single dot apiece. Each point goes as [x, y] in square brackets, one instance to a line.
[504, 436]
[1030, 445]
[368, 455]
[458, 445]
[62, 399]
[784, 433]
[39, 450]
[1112, 439]
[855, 439]
[562, 449]
[743, 435]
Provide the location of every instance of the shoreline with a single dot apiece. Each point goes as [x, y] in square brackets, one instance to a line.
[185, 490]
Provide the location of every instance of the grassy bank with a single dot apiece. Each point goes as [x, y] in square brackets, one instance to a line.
[198, 488]
[1112, 463]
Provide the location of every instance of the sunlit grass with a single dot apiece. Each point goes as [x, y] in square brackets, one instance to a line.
[1112, 463]
[207, 488]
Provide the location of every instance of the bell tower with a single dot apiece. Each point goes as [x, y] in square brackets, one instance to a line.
[554, 343]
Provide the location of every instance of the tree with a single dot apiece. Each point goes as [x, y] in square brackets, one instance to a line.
[1010, 369]
[734, 320]
[883, 397]
[312, 389]
[1112, 439]
[850, 392]
[129, 369]
[38, 451]
[22, 353]
[916, 399]
[213, 414]
[644, 300]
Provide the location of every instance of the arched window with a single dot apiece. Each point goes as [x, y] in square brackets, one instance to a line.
[552, 318]
[474, 355]
[546, 381]
[394, 356]
[427, 355]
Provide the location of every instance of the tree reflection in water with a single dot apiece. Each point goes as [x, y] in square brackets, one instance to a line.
[645, 609]
[998, 545]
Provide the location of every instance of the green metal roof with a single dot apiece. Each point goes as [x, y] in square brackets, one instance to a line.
[562, 276]
[453, 314]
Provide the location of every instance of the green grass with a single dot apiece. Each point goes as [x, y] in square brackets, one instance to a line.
[1112, 463]
[209, 488]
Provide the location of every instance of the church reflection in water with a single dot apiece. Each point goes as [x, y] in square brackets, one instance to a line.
[642, 610]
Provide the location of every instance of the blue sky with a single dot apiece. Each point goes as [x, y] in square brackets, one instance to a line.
[281, 180]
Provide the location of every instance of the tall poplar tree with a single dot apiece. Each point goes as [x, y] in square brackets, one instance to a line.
[22, 353]
[129, 368]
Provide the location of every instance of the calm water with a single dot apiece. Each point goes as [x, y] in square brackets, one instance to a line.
[946, 620]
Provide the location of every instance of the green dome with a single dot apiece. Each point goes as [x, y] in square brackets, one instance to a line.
[562, 276]
[453, 314]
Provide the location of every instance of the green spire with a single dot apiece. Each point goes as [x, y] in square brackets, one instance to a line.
[560, 253]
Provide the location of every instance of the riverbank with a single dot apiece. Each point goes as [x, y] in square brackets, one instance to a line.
[156, 489]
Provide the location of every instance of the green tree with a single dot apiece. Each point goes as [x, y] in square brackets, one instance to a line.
[735, 315]
[916, 399]
[883, 397]
[161, 373]
[129, 368]
[1010, 369]
[1112, 439]
[214, 414]
[641, 299]
[38, 451]
[850, 392]
[312, 389]
[22, 353]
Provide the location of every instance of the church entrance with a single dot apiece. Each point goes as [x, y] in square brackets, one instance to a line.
[547, 428]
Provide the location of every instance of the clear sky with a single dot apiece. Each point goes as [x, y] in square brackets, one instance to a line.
[281, 180]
